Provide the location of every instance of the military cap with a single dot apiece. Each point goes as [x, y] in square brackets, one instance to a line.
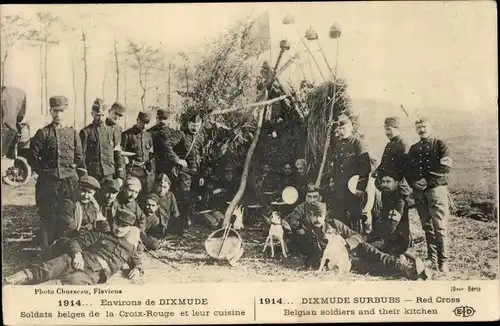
[58, 102]
[313, 188]
[99, 105]
[88, 181]
[118, 108]
[126, 217]
[162, 177]
[421, 120]
[162, 114]
[391, 173]
[342, 120]
[300, 162]
[195, 119]
[144, 116]
[111, 185]
[132, 181]
[153, 197]
[392, 122]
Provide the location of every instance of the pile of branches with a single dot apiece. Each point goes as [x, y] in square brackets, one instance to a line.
[318, 104]
[224, 79]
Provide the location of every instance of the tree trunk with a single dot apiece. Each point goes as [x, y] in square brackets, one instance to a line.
[168, 86]
[42, 100]
[104, 81]
[117, 75]
[4, 60]
[74, 91]
[45, 65]
[125, 93]
[85, 78]
[246, 169]
[143, 97]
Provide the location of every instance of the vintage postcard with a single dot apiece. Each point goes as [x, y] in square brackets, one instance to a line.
[237, 163]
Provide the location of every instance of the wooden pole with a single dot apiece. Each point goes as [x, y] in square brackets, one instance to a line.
[330, 121]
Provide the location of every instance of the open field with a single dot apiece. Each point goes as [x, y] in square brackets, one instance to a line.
[474, 243]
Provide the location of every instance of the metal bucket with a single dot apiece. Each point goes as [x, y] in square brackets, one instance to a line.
[232, 248]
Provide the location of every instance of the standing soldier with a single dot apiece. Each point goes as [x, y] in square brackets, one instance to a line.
[394, 156]
[161, 134]
[138, 140]
[101, 143]
[350, 158]
[428, 164]
[185, 157]
[55, 154]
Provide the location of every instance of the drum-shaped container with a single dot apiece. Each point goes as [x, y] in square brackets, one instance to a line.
[232, 247]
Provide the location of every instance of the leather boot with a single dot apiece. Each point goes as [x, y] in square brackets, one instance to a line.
[413, 270]
[443, 268]
[20, 277]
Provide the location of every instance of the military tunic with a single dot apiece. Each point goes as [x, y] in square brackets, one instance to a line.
[121, 203]
[391, 233]
[141, 166]
[394, 156]
[55, 153]
[103, 254]
[430, 159]
[99, 141]
[350, 157]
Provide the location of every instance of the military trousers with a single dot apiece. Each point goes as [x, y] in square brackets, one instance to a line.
[433, 208]
[369, 259]
[185, 200]
[61, 268]
[394, 246]
[50, 195]
[347, 208]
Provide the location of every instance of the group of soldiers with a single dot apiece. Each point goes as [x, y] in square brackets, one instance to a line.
[374, 215]
[104, 195]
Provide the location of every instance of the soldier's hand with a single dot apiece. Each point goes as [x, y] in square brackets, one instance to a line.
[183, 163]
[201, 182]
[301, 232]
[78, 261]
[134, 274]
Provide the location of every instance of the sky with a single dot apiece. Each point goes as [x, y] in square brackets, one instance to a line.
[420, 54]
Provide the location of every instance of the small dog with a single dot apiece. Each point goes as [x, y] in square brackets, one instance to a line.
[275, 231]
[335, 255]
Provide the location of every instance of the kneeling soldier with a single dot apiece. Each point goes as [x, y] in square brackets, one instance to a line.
[91, 257]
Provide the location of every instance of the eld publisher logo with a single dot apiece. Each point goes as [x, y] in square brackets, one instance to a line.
[464, 311]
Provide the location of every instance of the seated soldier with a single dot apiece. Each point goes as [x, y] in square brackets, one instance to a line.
[84, 214]
[107, 196]
[90, 258]
[168, 211]
[301, 178]
[287, 177]
[391, 233]
[310, 228]
[127, 200]
[154, 229]
[266, 186]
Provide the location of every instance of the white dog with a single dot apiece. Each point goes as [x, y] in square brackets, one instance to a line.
[275, 231]
[336, 255]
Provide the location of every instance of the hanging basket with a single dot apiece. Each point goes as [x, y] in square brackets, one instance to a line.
[232, 247]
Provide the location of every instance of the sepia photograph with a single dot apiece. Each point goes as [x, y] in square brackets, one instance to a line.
[249, 142]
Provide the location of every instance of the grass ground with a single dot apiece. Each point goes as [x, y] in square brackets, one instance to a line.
[474, 251]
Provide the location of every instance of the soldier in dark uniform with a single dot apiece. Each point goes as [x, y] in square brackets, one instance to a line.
[139, 141]
[350, 158]
[161, 134]
[428, 164]
[391, 233]
[185, 157]
[101, 143]
[394, 156]
[55, 154]
[91, 258]
[108, 194]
